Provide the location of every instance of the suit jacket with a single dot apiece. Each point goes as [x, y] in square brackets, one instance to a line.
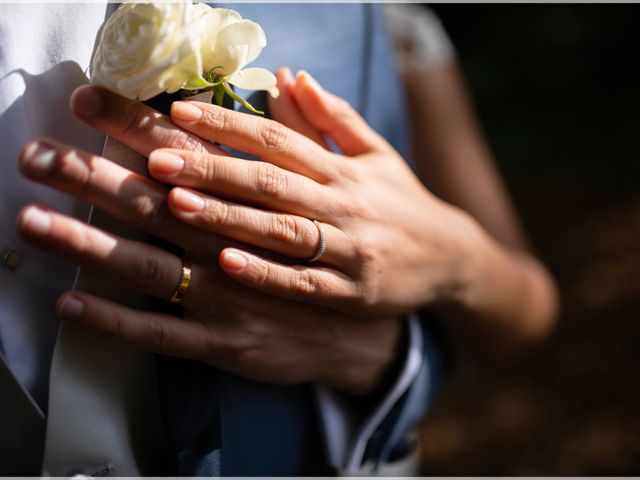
[117, 411]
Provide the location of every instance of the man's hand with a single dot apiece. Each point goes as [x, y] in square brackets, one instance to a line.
[225, 324]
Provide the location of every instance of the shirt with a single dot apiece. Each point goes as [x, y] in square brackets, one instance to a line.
[44, 55]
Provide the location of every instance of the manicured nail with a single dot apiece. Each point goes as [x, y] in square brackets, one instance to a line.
[39, 158]
[185, 200]
[165, 163]
[234, 260]
[284, 76]
[186, 112]
[71, 307]
[36, 221]
[87, 101]
[307, 78]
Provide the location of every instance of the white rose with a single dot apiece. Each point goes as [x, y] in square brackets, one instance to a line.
[229, 44]
[146, 49]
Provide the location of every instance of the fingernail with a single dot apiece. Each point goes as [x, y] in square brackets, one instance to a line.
[186, 112]
[185, 200]
[165, 163]
[234, 260]
[71, 307]
[285, 77]
[36, 221]
[87, 101]
[38, 158]
[307, 78]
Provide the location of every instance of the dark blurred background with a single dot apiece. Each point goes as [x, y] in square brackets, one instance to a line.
[557, 91]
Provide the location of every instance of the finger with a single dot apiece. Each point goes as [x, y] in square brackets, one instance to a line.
[266, 139]
[134, 199]
[135, 124]
[314, 285]
[333, 116]
[245, 180]
[282, 233]
[158, 333]
[143, 267]
[285, 110]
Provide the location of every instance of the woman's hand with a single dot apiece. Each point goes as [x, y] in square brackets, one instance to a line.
[392, 246]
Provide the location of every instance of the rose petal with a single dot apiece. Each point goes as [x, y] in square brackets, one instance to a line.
[256, 79]
[236, 45]
[209, 21]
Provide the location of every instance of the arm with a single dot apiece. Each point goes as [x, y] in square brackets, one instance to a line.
[513, 301]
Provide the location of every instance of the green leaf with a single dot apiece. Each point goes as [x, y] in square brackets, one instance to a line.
[197, 84]
[240, 100]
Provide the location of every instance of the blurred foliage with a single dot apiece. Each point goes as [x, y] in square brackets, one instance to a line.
[556, 88]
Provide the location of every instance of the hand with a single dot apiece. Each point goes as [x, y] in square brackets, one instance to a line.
[392, 246]
[225, 324]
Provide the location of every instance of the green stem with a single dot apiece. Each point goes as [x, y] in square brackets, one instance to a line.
[218, 95]
[240, 100]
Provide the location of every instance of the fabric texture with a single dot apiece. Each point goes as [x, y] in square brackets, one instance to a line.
[420, 41]
[217, 423]
[44, 53]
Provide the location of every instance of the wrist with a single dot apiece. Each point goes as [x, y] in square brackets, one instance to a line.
[468, 260]
[371, 368]
[480, 255]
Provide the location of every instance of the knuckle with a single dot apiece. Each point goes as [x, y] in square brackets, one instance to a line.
[353, 207]
[365, 295]
[263, 273]
[284, 229]
[244, 349]
[219, 213]
[303, 283]
[343, 106]
[148, 271]
[215, 118]
[156, 335]
[271, 181]
[366, 251]
[72, 167]
[181, 140]
[148, 209]
[136, 123]
[344, 112]
[274, 136]
[243, 343]
[80, 240]
[203, 167]
[114, 329]
[348, 172]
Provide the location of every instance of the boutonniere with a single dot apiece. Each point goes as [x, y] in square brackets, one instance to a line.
[146, 49]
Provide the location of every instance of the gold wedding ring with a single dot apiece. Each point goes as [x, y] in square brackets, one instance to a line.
[323, 242]
[183, 283]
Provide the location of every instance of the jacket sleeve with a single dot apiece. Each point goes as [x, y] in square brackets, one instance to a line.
[357, 443]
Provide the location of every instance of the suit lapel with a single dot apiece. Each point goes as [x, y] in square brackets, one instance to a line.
[103, 403]
[22, 432]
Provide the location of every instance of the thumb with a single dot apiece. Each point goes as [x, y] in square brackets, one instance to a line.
[333, 116]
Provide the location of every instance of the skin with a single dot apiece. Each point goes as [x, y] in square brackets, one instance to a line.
[514, 302]
[224, 324]
[256, 307]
